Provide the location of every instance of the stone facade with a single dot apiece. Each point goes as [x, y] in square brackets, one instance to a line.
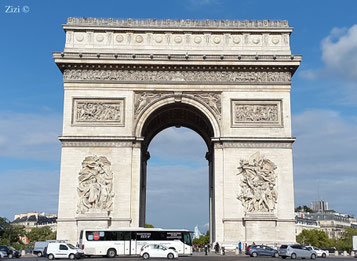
[230, 81]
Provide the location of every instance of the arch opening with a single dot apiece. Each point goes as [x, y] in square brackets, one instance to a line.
[176, 115]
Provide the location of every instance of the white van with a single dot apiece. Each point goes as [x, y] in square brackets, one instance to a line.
[63, 250]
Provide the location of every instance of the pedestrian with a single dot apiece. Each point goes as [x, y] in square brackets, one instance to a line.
[240, 247]
[206, 249]
[216, 248]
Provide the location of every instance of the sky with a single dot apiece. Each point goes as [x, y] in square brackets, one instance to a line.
[323, 99]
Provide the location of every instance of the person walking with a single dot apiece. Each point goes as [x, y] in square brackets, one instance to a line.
[216, 248]
[240, 247]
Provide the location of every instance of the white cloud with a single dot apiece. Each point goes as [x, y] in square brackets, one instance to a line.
[325, 159]
[309, 74]
[339, 52]
[30, 136]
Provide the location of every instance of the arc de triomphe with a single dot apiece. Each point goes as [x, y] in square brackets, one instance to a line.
[126, 80]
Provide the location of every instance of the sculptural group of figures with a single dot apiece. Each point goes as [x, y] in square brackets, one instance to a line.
[95, 184]
[189, 76]
[256, 113]
[97, 111]
[258, 193]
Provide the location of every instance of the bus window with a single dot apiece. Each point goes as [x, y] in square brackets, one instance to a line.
[187, 238]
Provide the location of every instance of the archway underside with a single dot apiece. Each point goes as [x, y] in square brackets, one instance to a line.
[179, 115]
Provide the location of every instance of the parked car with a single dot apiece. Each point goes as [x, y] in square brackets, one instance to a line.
[10, 251]
[63, 250]
[319, 252]
[296, 251]
[261, 250]
[157, 250]
[2, 254]
[39, 248]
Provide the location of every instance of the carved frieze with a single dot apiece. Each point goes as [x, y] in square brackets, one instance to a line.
[98, 111]
[211, 100]
[256, 113]
[177, 76]
[258, 184]
[95, 185]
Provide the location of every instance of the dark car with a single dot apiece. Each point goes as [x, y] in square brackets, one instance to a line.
[10, 251]
[261, 250]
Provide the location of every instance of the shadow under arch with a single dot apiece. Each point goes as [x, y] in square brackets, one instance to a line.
[178, 114]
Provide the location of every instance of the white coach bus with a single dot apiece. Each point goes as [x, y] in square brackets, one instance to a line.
[129, 241]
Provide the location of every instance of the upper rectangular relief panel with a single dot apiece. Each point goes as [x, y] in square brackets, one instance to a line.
[177, 36]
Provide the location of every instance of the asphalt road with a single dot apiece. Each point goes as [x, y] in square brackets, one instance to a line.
[211, 257]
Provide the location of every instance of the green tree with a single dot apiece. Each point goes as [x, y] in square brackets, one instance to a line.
[304, 209]
[10, 233]
[41, 234]
[314, 237]
[202, 240]
[345, 242]
[149, 226]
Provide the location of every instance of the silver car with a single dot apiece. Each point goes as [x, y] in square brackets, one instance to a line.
[296, 251]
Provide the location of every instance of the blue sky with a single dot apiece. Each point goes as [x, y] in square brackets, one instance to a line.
[324, 100]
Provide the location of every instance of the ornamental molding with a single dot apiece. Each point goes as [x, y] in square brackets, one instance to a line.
[157, 76]
[98, 111]
[116, 144]
[253, 144]
[211, 100]
[258, 184]
[168, 23]
[95, 185]
[256, 113]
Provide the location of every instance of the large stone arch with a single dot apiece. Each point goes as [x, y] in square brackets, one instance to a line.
[177, 99]
[230, 81]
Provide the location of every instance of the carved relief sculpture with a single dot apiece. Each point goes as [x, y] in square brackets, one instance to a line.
[258, 113]
[98, 111]
[255, 113]
[143, 99]
[213, 100]
[95, 184]
[258, 184]
[175, 76]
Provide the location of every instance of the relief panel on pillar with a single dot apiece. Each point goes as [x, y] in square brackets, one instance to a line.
[256, 113]
[98, 111]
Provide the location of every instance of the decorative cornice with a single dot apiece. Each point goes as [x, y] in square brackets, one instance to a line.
[221, 58]
[188, 23]
[119, 142]
[250, 142]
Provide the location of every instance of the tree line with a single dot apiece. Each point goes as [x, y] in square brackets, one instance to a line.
[12, 234]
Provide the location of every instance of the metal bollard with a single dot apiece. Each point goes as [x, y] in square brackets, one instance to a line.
[336, 253]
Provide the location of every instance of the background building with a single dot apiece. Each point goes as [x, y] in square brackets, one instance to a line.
[319, 206]
[36, 219]
[329, 221]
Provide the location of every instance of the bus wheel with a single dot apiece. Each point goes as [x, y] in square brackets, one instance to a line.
[146, 256]
[111, 253]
